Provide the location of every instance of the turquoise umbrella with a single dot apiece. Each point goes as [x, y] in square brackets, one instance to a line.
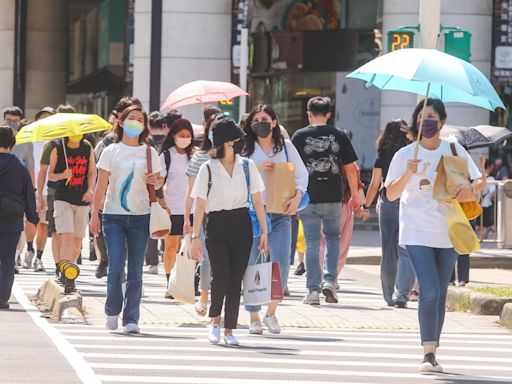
[430, 73]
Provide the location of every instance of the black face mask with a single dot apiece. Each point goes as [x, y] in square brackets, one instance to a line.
[262, 129]
[238, 146]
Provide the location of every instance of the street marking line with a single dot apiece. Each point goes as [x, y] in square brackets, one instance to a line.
[290, 352]
[202, 380]
[302, 362]
[82, 369]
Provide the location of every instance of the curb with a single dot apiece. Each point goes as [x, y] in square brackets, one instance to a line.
[506, 316]
[480, 262]
[463, 299]
[64, 308]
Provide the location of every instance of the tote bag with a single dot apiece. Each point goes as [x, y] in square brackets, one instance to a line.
[257, 282]
[181, 281]
[460, 232]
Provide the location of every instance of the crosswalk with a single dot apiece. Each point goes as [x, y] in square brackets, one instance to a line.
[180, 353]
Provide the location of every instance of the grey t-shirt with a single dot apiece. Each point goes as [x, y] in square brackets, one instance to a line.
[25, 153]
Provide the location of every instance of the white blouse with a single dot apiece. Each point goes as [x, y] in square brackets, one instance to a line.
[227, 192]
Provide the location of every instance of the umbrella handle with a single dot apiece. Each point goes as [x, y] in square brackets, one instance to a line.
[420, 129]
[65, 157]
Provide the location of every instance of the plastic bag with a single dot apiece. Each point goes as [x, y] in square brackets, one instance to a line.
[460, 232]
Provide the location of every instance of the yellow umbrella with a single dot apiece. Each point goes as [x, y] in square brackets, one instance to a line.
[61, 125]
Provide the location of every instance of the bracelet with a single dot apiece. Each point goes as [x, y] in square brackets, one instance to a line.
[195, 237]
[90, 191]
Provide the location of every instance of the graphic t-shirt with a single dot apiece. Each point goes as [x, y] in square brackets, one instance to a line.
[73, 190]
[127, 192]
[423, 220]
[176, 186]
[324, 150]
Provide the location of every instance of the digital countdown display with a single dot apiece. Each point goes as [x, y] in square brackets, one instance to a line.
[400, 40]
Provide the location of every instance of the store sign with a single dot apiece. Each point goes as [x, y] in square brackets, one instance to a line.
[502, 43]
[503, 57]
[241, 19]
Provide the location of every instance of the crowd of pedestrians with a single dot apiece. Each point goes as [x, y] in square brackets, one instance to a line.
[213, 186]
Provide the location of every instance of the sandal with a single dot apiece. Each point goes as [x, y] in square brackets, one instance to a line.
[201, 308]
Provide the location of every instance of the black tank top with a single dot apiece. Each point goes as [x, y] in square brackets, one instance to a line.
[78, 162]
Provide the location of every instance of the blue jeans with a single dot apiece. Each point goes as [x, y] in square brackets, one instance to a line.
[279, 242]
[125, 233]
[396, 272]
[434, 267]
[314, 217]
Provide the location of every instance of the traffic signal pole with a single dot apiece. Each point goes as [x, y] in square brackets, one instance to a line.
[430, 20]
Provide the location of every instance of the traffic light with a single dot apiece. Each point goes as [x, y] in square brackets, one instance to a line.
[458, 43]
[400, 39]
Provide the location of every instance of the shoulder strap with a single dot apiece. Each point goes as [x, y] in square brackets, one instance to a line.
[167, 156]
[151, 189]
[285, 150]
[247, 177]
[454, 149]
[209, 179]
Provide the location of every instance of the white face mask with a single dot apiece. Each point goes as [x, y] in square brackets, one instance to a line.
[183, 142]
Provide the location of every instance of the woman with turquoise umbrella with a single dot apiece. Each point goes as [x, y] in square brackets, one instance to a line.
[424, 221]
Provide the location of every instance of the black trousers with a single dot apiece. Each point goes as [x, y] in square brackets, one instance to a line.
[8, 243]
[229, 242]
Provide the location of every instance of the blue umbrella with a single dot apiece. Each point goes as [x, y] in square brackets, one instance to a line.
[430, 73]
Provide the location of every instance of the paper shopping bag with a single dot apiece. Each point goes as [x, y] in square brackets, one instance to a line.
[461, 234]
[181, 281]
[257, 283]
[280, 186]
[277, 283]
[452, 172]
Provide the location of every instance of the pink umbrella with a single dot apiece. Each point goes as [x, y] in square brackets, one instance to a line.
[200, 92]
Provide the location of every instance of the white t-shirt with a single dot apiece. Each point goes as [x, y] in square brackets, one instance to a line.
[38, 150]
[176, 186]
[489, 189]
[423, 220]
[226, 192]
[127, 193]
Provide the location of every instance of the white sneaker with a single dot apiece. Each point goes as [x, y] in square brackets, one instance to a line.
[29, 256]
[152, 270]
[430, 365]
[214, 334]
[231, 341]
[131, 328]
[329, 291]
[312, 298]
[272, 324]
[256, 328]
[112, 322]
[18, 258]
[38, 265]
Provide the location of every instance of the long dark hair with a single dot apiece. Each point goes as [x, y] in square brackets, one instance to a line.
[177, 126]
[206, 144]
[118, 129]
[436, 104]
[393, 138]
[251, 137]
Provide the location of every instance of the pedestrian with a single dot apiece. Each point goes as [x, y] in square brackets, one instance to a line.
[175, 154]
[423, 221]
[221, 190]
[396, 272]
[500, 169]
[41, 172]
[488, 199]
[121, 105]
[16, 192]
[73, 167]
[265, 145]
[123, 168]
[324, 150]
[199, 158]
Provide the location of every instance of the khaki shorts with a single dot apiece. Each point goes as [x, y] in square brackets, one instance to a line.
[42, 215]
[70, 218]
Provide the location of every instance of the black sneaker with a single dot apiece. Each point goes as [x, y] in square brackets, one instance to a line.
[400, 304]
[300, 270]
[101, 270]
[4, 305]
[79, 260]
[69, 286]
[16, 271]
[430, 365]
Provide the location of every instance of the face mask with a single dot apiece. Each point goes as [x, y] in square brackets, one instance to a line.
[262, 128]
[132, 128]
[238, 146]
[182, 142]
[75, 139]
[14, 125]
[429, 128]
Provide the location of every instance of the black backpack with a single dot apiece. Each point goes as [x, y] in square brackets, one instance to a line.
[12, 207]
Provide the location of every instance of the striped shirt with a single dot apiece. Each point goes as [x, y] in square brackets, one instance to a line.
[198, 159]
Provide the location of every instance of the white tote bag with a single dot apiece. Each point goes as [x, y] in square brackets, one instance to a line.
[258, 282]
[181, 281]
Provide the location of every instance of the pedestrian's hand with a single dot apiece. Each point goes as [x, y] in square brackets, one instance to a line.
[464, 193]
[197, 249]
[266, 165]
[412, 166]
[87, 197]
[291, 206]
[40, 203]
[67, 174]
[187, 227]
[152, 178]
[95, 225]
[264, 242]
[355, 203]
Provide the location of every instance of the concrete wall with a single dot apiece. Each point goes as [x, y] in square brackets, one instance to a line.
[7, 11]
[196, 45]
[46, 55]
[472, 15]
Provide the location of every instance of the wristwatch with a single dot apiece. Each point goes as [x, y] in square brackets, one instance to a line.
[194, 236]
[90, 191]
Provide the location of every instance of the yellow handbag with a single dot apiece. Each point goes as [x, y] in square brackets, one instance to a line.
[460, 232]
